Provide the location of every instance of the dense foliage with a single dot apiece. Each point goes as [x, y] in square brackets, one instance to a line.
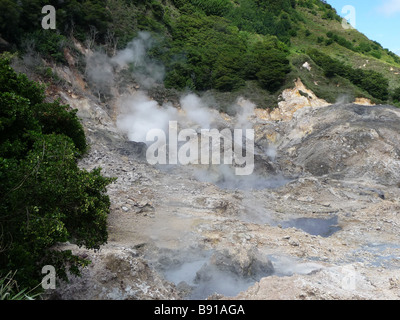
[19, 18]
[208, 43]
[371, 81]
[45, 197]
[396, 95]
[208, 53]
[266, 17]
[204, 44]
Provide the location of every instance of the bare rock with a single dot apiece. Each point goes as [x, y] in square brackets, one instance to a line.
[115, 273]
[238, 261]
[352, 141]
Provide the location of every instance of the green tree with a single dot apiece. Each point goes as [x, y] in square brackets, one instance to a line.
[269, 64]
[375, 84]
[10, 14]
[396, 95]
[371, 81]
[45, 198]
[206, 53]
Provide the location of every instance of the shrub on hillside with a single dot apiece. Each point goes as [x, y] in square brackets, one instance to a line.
[396, 95]
[371, 81]
[45, 197]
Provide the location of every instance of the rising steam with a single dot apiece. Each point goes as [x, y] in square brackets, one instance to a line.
[138, 113]
[101, 69]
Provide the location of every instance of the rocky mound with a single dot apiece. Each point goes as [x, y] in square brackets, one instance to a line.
[341, 141]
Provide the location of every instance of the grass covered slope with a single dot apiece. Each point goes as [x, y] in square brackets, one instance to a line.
[363, 59]
[227, 47]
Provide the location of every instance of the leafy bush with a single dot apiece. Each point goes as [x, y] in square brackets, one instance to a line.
[272, 65]
[376, 54]
[330, 66]
[48, 42]
[228, 82]
[18, 18]
[395, 57]
[375, 84]
[364, 47]
[340, 40]
[213, 7]
[45, 197]
[371, 81]
[208, 53]
[328, 42]
[328, 15]
[305, 4]
[396, 95]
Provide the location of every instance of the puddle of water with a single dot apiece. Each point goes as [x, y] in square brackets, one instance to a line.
[314, 226]
[286, 266]
[199, 274]
[247, 183]
[202, 280]
[385, 255]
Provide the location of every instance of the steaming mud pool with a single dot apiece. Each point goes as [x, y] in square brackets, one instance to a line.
[201, 273]
[314, 226]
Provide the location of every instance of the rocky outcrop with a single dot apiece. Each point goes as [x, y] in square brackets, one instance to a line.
[350, 282]
[344, 141]
[292, 100]
[364, 102]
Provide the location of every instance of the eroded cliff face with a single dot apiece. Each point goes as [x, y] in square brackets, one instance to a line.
[319, 219]
[292, 100]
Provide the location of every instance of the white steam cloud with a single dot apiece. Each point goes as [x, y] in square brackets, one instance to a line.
[146, 71]
[138, 114]
[197, 111]
[245, 110]
[100, 68]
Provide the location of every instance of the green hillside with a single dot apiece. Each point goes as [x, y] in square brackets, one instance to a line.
[255, 48]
